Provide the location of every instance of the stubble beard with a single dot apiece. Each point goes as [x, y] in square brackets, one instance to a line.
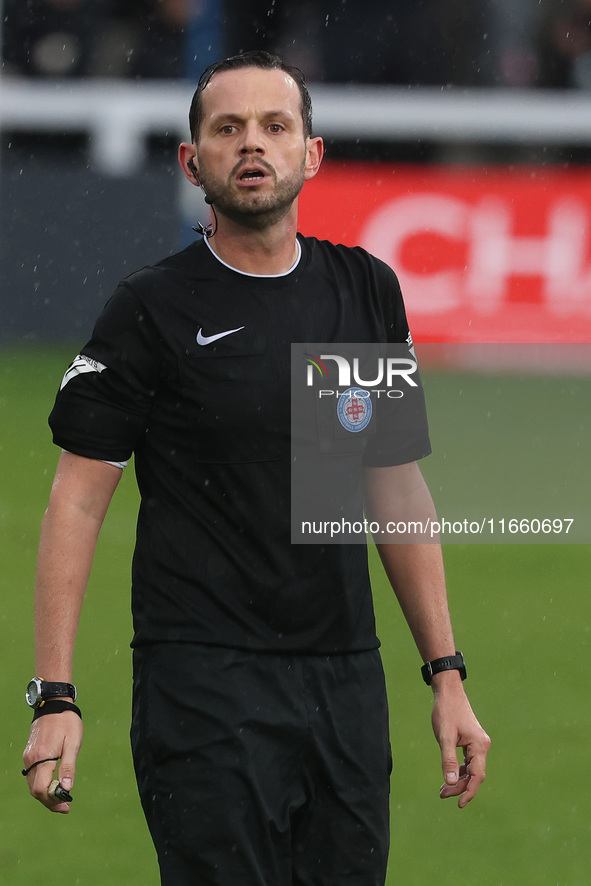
[249, 209]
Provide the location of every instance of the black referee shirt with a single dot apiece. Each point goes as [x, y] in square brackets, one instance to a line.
[208, 420]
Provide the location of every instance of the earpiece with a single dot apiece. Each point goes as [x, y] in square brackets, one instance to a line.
[193, 168]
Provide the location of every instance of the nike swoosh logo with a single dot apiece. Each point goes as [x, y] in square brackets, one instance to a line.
[208, 339]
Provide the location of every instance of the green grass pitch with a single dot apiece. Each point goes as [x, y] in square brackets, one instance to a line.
[522, 615]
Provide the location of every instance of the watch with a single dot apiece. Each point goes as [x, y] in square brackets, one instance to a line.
[449, 663]
[39, 690]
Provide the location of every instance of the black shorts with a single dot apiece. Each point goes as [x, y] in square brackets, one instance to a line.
[262, 769]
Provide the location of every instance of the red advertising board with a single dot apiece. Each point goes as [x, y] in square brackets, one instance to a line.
[483, 254]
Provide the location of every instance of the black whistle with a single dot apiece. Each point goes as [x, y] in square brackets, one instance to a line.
[62, 794]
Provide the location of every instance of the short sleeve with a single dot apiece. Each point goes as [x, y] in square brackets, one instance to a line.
[403, 432]
[107, 392]
[402, 428]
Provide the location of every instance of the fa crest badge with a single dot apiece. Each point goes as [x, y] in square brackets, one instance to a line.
[354, 409]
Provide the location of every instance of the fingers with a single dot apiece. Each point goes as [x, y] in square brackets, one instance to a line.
[458, 788]
[40, 781]
[67, 771]
[475, 756]
[449, 762]
[455, 726]
[53, 737]
[464, 780]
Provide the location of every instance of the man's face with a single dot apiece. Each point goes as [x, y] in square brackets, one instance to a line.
[252, 155]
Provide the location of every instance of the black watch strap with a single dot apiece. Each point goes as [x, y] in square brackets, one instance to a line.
[51, 690]
[449, 663]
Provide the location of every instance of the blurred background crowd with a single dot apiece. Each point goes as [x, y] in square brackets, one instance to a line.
[507, 43]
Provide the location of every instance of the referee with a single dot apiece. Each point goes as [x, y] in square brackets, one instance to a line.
[260, 723]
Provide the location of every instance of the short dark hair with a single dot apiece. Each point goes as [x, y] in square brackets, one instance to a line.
[255, 59]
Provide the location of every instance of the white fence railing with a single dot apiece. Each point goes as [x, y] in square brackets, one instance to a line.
[119, 115]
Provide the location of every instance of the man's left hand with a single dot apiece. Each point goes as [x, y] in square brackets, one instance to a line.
[455, 726]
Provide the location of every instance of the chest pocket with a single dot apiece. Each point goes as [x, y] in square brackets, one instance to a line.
[236, 400]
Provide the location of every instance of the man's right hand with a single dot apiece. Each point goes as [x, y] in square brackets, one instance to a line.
[53, 736]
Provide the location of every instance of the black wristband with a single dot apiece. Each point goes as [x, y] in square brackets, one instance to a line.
[55, 706]
[449, 663]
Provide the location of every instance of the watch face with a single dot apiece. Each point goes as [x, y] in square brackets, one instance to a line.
[33, 693]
